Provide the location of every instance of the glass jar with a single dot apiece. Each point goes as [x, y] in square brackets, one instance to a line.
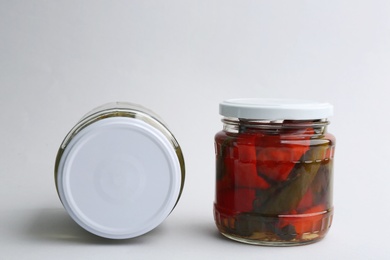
[274, 171]
[119, 172]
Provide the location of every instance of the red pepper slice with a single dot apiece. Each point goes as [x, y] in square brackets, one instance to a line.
[309, 221]
[277, 154]
[239, 165]
[246, 150]
[235, 201]
[245, 167]
[246, 176]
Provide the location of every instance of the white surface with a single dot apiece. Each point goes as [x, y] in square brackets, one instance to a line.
[275, 109]
[59, 59]
[119, 178]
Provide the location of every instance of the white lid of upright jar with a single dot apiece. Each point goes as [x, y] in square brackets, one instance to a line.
[119, 177]
[275, 109]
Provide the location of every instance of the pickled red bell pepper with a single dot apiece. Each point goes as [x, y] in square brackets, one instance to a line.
[277, 154]
[272, 183]
[306, 222]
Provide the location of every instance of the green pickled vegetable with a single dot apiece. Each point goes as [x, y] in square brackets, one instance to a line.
[286, 196]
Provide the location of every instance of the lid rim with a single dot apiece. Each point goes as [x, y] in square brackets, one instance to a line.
[275, 109]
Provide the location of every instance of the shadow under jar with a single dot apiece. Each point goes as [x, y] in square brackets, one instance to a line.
[274, 171]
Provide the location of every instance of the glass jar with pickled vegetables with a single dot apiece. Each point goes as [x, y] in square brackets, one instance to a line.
[119, 172]
[274, 171]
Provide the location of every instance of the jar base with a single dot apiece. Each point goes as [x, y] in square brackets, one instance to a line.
[282, 230]
[273, 243]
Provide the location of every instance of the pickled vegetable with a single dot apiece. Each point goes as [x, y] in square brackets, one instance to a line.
[274, 186]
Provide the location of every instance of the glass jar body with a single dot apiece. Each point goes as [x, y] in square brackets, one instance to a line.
[274, 181]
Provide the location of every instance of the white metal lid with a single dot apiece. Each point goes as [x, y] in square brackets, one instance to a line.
[119, 177]
[275, 109]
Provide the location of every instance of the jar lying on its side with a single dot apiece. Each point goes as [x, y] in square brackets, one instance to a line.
[274, 171]
[119, 172]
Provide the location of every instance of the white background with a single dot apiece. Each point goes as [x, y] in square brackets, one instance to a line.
[60, 59]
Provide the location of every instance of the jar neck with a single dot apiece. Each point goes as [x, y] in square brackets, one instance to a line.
[240, 125]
